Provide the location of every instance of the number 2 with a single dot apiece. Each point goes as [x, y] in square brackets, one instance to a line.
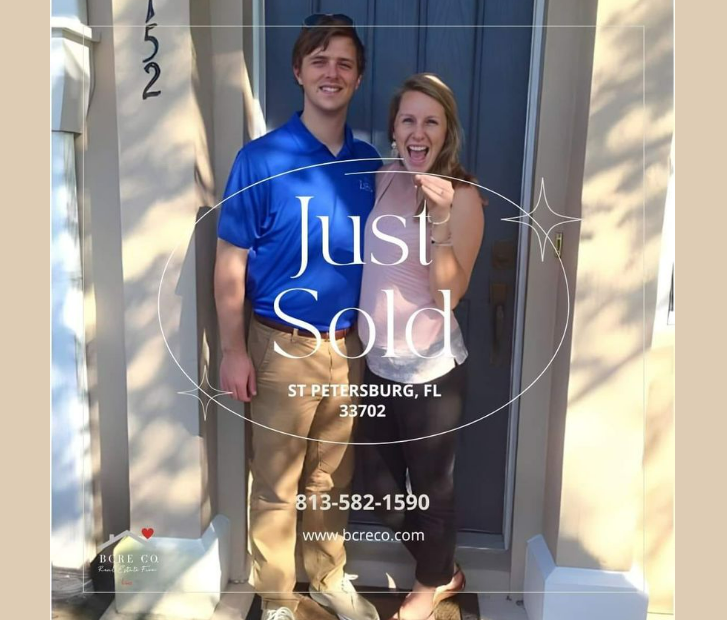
[157, 72]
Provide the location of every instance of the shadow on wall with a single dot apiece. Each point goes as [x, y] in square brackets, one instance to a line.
[617, 266]
[636, 234]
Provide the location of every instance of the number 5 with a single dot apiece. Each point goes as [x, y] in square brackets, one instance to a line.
[153, 40]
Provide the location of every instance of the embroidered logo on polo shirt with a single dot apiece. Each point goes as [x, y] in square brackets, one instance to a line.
[365, 185]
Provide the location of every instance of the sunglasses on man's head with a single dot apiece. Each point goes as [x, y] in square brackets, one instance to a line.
[327, 19]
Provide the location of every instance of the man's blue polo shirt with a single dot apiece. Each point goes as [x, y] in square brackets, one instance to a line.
[266, 220]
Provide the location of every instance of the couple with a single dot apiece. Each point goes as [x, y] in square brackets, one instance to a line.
[258, 255]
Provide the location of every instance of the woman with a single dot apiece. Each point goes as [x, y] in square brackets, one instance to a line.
[430, 350]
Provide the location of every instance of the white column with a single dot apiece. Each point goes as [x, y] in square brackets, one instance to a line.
[72, 517]
[71, 480]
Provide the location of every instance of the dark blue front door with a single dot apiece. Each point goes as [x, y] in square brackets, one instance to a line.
[487, 67]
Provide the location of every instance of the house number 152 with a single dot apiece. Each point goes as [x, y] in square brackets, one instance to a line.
[150, 66]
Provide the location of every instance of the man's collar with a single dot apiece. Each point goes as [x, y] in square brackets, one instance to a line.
[347, 148]
[308, 141]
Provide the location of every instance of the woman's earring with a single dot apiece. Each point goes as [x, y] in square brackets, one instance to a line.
[394, 150]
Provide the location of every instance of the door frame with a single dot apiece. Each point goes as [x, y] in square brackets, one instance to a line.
[258, 54]
[486, 542]
[532, 121]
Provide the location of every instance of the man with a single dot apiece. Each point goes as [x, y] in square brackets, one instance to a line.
[262, 235]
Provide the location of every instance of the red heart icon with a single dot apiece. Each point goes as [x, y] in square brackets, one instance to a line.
[147, 532]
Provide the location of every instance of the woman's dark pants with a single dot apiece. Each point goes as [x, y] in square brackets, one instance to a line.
[429, 462]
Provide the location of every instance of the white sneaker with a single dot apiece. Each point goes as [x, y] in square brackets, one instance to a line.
[281, 613]
[343, 600]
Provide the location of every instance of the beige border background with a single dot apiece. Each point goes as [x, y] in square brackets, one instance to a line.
[701, 430]
[25, 256]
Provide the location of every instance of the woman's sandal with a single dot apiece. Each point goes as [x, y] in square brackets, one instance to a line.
[442, 593]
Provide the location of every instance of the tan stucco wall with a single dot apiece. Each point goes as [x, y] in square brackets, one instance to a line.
[229, 106]
[149, 167]
[655, 552]
[656, 556]
[103, 283]
[561, 140]
[163, 173]
[622, 209]
[595, 416]
[205, 237]
[581, 431]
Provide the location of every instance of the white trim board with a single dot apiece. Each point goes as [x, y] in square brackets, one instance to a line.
[561, 593]
[186, 576]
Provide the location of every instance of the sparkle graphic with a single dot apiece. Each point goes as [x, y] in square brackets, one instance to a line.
[528, 219]
[205, 390]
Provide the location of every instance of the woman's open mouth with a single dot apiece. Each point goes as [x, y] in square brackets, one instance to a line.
[417, 154]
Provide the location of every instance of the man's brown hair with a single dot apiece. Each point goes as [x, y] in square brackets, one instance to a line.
[319, 36]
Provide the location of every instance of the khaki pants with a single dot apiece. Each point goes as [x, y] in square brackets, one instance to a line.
[283, 466]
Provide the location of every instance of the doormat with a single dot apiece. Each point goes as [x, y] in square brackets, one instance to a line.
[463, 606]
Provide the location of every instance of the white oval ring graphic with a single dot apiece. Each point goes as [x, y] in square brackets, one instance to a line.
[363, 443]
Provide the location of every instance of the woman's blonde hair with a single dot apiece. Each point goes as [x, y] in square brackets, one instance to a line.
[447, 162]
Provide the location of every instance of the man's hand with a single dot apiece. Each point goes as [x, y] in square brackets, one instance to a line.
[237, 376]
